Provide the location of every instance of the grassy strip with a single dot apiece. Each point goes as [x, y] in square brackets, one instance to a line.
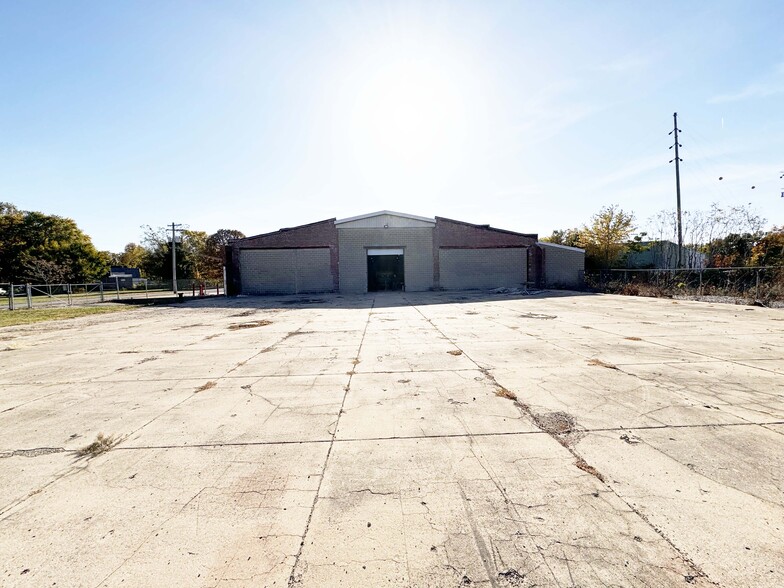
[10, 318]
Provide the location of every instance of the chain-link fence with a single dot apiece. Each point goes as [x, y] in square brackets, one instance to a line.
[19, 296]
[759, 283]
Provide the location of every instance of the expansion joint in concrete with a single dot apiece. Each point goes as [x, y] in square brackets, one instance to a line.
[294, 579]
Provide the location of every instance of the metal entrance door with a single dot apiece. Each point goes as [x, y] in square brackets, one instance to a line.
[385, 270]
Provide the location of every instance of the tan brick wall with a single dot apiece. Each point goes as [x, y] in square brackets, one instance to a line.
[285, 271]
[483, 269]
[417, 244]
[459, 234]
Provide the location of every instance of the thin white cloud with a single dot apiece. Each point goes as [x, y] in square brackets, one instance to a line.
[770, 85]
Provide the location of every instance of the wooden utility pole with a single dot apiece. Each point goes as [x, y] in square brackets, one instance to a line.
[175, 228]
[677, 161]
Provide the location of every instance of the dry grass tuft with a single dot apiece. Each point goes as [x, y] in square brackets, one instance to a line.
[504, 393]
[455, 352]
[206, 386]
[102, 444]
[601, 363]
[632, 338]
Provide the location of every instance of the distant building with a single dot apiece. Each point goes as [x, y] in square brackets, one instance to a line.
[126, 277]
[664, 255]
[394, 251]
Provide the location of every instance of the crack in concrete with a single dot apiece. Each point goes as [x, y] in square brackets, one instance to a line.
[295, 577]
[439, 436]
[580, 461]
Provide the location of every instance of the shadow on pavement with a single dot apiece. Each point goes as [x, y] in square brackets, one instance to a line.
[343, 301]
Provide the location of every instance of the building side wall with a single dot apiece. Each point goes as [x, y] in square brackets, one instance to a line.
[417, 244]
[563, 268]
[315, 235]
[455, 234]
[285, 271]
[470, 269]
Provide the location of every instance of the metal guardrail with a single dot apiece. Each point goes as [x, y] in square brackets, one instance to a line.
[53, 295]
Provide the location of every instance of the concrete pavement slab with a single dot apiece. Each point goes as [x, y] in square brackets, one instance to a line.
[412, 357]
[74, 414]
[731, 535]
[250, 410]
[291, 361]
[501, 511]
[433, 403]
[403, 439]
[234, 515]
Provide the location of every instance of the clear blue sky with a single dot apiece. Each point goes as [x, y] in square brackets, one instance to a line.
[255, 116]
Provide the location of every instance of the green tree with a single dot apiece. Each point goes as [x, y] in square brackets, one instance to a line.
[35, 246]
[157, 262]
[132, 256]
[194, 252]
[607, 236]
[216, 251]
[568, 237]
[733, 250]
[769, 250]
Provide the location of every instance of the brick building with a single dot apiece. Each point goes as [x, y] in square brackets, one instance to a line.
[394, 251]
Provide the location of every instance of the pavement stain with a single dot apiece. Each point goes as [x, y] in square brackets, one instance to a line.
[536, 315]
[559, 424]
[249, 325]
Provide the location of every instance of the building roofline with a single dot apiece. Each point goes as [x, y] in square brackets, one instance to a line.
[559, 246]
[389, 212]
[283, 230]
[487, 227]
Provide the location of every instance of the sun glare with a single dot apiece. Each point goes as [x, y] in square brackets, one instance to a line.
[408, 111]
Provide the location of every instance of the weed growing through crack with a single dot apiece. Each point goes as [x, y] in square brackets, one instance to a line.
[632, 338]
[504, 393]
[601, 363]
[206, 386]
[102, 444]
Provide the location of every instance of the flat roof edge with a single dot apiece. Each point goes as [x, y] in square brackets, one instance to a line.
[559, 246]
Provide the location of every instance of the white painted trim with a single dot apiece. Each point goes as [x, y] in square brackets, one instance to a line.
[382, 212]
[546, 244]
[385, 252]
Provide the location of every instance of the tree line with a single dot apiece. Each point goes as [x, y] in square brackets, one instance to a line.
[723, 236]
[41, 248]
